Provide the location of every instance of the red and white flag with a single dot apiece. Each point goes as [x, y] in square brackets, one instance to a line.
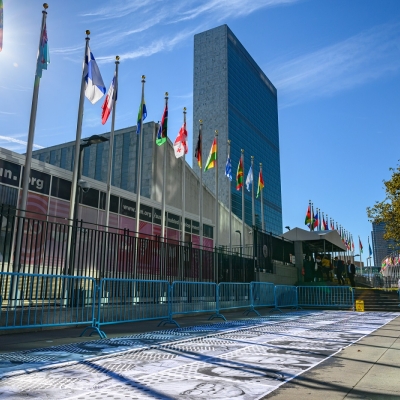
[180, 144]
[109, 100]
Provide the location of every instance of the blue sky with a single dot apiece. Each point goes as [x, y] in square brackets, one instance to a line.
[335, 64]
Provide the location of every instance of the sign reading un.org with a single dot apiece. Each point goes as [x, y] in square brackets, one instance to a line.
[9, 173]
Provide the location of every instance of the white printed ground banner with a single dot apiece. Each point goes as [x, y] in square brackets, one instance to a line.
[244, 359]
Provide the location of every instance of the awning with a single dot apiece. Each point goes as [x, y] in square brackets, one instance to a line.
[317, 241]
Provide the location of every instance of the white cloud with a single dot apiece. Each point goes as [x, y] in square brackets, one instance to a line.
[119, 9]
[68, 50]
[163, 44]
[21, 142]
[222, 9]
[352, 62]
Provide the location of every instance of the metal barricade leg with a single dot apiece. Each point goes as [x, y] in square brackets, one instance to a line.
[95, 327]
[169, 320]
[217, 313]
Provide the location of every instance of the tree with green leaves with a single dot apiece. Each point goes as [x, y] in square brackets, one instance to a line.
[388, 210]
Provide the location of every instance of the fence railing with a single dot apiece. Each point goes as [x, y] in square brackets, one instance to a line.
[286, 297]
[326, 296]
[38, 300]
[53, 245]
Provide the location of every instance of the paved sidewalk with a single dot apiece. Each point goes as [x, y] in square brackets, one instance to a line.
[369, 369]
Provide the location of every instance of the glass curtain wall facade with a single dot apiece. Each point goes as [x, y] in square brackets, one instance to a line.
[233, 95]
[380, 246]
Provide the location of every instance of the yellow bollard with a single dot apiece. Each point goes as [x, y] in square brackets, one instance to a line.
[360, 305]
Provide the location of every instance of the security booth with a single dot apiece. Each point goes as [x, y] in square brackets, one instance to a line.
[309, 243]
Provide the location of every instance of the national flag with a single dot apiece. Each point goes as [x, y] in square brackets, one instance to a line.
[239, 175]
[197, 152]
[94, 85]
[141, 113]
[163, 128]
[249, 179]
[316, 220]
[1, 25]
[360, 244]
[228, 169]
[261, 185]
[322, 225]
[43, 57]
[212, 157]
[308, 216]
[326, 224]
[180, 144]
[108, 104]
[369, 248]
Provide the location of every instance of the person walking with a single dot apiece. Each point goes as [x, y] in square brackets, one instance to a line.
[339, 271]
[351, 272]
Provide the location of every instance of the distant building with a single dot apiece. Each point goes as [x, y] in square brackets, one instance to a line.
[95, 164]
[233, 95]
[380, 246]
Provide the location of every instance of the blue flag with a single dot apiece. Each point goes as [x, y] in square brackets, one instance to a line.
[141, 113]
[43, 57]
[228, 169]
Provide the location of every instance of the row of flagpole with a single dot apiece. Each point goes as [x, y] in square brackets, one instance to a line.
[93, 88]
[315, 222]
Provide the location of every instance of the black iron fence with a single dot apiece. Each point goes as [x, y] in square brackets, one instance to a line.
[44, 244]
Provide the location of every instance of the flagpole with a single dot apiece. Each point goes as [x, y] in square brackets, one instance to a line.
[78, 137]
[139, 169]
[216, 192]
[183, 182]
[230, 204]
[262, 203]
[243, 222]
[164, 179]
[32, 123]
[230, 215]
[111, 148]
[252, 194]
[201, 184]
[201, 199]
[312, 217]
[29, 148]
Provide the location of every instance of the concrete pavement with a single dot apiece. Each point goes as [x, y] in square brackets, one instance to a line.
[369, 369]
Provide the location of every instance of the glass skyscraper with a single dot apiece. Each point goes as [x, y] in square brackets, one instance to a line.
[381, 247]
[232, 94]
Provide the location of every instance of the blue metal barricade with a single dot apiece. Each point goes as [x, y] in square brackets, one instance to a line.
[285, 297]
[326, 296]
[37, 300]
[193, 297]
[262, 294]
[234, 295]
[130, 300]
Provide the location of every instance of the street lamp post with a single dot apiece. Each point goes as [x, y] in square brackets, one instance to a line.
[355, 255]
[94, 139]
[240, 241]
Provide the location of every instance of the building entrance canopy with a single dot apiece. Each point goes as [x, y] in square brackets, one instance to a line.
[317, 241]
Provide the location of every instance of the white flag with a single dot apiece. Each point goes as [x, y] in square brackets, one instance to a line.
[180, 144]
[249, 179]
[94, 85]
